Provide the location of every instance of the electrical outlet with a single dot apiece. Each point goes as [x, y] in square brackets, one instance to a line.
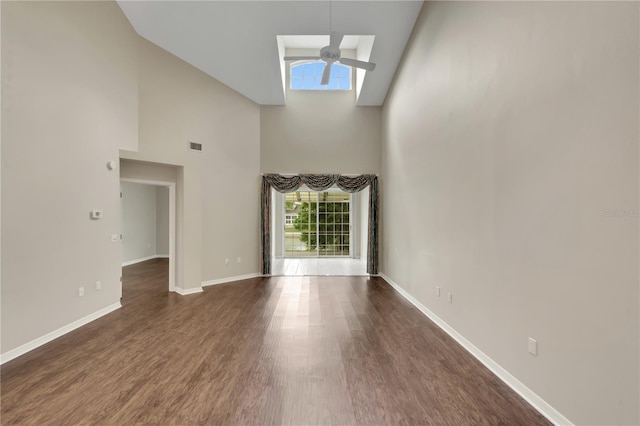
[450, 298]
[226, 261]
[98, 285]
[438, 291]
[533, 346]
[81, 291]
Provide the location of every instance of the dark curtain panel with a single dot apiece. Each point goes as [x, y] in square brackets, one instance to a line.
[372, 247]
[319, 183]
[265, 224]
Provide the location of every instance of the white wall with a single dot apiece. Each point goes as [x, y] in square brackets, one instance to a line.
[510, 132]
[162, 221]
[219, 188]
[319, 132]
[138, 221]
[69, 101]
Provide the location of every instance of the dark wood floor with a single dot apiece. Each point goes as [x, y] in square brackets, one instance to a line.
[285, 350]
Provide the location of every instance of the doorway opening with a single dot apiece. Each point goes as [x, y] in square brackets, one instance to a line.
[148, 224]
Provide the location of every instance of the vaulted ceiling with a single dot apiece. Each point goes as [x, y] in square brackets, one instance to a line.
[236, 41]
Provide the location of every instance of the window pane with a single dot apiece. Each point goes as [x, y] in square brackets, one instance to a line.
[296, 83]
[316, 224]
[308, 84]
[309, 69]
[296, 71]
[308, 75]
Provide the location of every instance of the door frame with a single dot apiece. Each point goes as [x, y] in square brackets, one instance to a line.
[172, 225]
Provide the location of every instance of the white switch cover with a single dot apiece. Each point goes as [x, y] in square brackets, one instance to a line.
[226, 261]
[114, 238]
[239, 259]
[98, 285]
[81, 291]
[533, 346]
[438, 291]
[450, 297]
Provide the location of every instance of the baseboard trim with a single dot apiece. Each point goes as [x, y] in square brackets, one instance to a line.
[231, 279]
[527, 394]
[142, 259]
[21, 350]
[187, 291]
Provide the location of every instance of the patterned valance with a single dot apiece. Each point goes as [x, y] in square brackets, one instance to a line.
[319, 183]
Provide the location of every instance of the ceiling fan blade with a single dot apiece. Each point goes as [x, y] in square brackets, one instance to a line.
[335, 39]
[369, 66]
[326, 74]
[300, 58]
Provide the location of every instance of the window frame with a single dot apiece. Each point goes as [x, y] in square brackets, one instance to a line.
[316, 228]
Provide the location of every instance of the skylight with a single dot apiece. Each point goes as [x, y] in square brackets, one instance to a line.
[353, 46]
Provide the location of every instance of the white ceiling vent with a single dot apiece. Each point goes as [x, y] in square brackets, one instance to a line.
[194, 146]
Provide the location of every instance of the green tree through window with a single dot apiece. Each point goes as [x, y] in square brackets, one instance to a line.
[326, 229]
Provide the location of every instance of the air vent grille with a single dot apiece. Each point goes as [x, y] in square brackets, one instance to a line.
[193, 146]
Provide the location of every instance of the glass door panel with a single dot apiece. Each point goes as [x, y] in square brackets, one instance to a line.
[317, 224]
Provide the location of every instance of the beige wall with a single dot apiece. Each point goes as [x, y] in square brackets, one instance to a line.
[138, 221]
[319, 132]
[510, 131]
[145, 221]
[218, 192]
[162, 220]
[69, 101]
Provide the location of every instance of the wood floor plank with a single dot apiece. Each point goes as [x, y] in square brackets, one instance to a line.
[265, 351]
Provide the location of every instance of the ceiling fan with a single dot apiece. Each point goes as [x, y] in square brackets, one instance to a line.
[331, 54]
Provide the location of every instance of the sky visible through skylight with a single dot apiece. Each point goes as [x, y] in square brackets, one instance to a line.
[307, 76]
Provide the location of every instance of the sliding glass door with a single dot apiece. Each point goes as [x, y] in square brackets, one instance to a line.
[317, 224]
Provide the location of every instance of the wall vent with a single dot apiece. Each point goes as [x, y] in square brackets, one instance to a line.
[193, 146]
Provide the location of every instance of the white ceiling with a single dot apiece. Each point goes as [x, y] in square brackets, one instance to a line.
[235, 41]
[317, 41]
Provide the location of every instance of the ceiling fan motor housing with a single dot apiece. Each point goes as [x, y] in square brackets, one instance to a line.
[329, 54]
